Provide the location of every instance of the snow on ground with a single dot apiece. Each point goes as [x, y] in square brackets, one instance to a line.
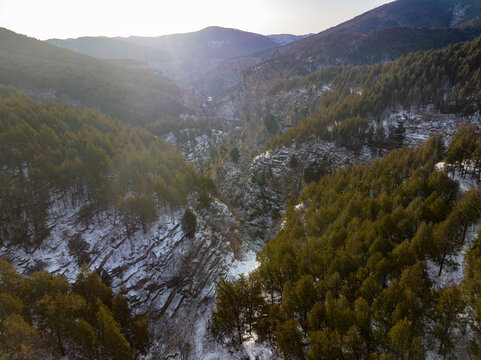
[465, 183]
[161, 272]
[459, 14]
[243, 267]
[200, 147]
[258, 351]
[265, 155]
[451, 274]
[454, 274]
[299, 207]
[207, 348]
[421, 123]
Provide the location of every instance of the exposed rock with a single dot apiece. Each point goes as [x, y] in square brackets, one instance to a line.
[163, 273]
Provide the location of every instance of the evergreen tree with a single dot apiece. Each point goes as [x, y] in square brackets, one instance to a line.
[189, 223]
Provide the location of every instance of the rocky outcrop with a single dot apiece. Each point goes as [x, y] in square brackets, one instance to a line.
[162, 272]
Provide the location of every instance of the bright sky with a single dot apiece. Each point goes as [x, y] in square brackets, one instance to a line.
[45, 19]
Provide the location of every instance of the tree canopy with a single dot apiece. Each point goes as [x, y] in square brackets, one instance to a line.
[53, 154]
[449, 79]
[43, 315]
[347, 275]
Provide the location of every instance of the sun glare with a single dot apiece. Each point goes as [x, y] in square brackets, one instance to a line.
[63, 19]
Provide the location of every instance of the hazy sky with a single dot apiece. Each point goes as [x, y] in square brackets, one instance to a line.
[46, 19]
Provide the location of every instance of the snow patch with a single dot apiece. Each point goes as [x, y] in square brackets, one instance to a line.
[299, 207]
[421, 123]
[243, 267]
[264, 155]
[459, 13]
[258, 351]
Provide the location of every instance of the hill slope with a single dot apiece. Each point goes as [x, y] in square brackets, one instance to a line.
[448, 80]
[353, 273]
[382, 34]
[109, 48]
[398, 14]
[133, 95]
[210, 45]
[78, 187]
[284, 39]
[413, 13]
[98, 162]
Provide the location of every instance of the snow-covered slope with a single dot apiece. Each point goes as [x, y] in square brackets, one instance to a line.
[163, 273]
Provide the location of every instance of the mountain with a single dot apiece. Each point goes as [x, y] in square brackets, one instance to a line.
[284, 39]
[347, 38]
[365, 239]
[382, 34]
[256, 73]
[346, 48]
[446, 80]
[212, 44]
[342, 170]
[413, 13]
[95, 162]
[181, 57]
[443, 82]
[306, 127]
[119, 50]
[135, 94]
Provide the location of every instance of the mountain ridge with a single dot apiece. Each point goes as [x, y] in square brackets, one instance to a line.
[182, 57]
[407, 14]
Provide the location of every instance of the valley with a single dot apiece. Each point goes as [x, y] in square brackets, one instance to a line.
[255, 197]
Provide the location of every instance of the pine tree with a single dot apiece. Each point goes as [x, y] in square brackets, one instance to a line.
[324, 344]
[448, 324]
[189, 223]
[112, 343]
[290, 340]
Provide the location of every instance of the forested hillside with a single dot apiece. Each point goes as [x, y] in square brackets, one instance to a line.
[261, 70]
[319, 199]
[379, 45]
[55, 154]
[413, 13]
[136, 96]
[449, 79]
[111, 48]
[380, 35]
[350, 274]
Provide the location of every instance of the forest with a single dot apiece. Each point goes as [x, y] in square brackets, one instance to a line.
[116, 244]
[134, 94]
[351, 274]
[54, 155]
[449, 79]
[42, 315]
